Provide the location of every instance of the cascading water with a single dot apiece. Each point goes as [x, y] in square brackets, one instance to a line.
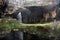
[18, 35]
[19, 16]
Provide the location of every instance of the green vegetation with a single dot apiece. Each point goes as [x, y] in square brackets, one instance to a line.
[13, 23]
[8, 23]
[43, 30]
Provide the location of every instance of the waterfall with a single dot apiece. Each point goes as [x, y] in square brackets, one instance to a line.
[19, 16]
[21, 35]
[18, 35]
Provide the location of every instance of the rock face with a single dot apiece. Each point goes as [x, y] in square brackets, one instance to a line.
[39, 13]
[4, 32]
[14, 5]
[22, 3]
[34, 14]
[58, 12]
[13, 35]
[45, 12]
[3, 6]
[18, 3]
